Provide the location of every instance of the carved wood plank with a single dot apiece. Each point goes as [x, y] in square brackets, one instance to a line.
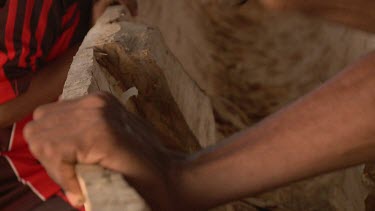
[118, 55]
[107, 191]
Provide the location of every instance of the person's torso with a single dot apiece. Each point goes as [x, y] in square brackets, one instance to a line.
[29, 33]
[32, 33]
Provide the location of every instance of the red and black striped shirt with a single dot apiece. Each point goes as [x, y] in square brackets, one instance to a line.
[32, 33]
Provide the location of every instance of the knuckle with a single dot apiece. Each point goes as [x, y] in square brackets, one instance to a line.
[92, 115]
[50, 150]
[29, 132]
[44, 150]
[39, 112]
[36, 149]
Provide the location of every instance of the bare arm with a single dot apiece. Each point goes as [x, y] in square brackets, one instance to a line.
[45, 87]
[359, 13]
[48, 83]
[331, 128]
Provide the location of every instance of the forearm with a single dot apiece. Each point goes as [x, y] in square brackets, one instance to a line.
[329, 129]
[45, 87]
[359, 14]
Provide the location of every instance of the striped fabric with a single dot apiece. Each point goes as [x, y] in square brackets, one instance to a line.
[32, 33]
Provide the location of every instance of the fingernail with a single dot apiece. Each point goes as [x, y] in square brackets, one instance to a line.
[76, 200]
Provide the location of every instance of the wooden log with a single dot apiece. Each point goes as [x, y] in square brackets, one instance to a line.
[117, 56]
[105, 190]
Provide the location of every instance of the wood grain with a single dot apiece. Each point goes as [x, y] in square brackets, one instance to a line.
[118, 55]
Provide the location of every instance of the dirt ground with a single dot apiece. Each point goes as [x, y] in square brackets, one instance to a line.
[251, 63]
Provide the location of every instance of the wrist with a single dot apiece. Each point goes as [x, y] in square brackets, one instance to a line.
[188, 182]
[180, 185]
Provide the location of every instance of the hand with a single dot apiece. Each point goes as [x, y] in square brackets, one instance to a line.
[132, 5]
[97, 130]
[101, 5]
[276, 4]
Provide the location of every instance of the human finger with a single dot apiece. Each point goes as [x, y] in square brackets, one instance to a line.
[95, 100]
[132, 5]
[59, 158]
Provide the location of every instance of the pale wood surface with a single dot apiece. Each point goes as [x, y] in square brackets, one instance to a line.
[116, 56]
[107, 191]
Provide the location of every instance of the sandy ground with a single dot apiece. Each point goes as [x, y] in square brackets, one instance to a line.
[252, 63]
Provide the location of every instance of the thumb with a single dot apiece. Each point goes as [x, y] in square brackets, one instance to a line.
[132, 5]
[68, 180]
[280, 5]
